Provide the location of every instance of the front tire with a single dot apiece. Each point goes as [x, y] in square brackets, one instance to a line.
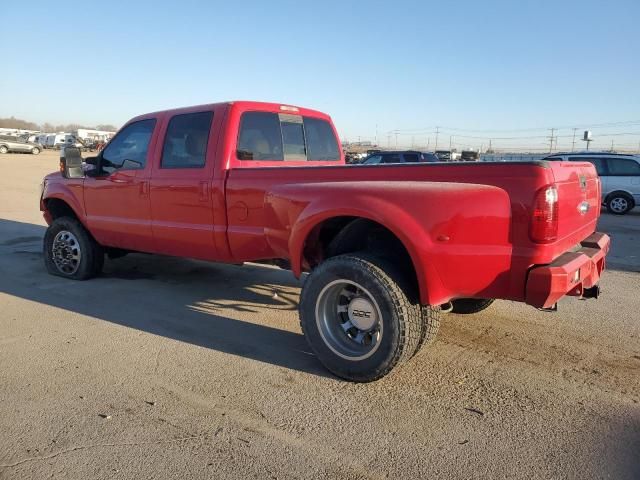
[619, 203]
[468, 306]
[358, 319]
[35, 150]
[70, 251]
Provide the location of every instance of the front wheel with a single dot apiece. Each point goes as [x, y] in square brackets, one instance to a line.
[35, 150]
[358, 319]
[619, 203]
[70, 252]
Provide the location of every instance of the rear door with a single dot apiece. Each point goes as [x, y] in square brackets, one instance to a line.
[181, 202]
[623, 175]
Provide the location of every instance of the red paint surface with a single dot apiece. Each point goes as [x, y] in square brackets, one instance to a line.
[465, 225]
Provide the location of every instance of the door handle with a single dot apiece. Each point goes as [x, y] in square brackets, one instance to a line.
[204, 191]
[144, 188]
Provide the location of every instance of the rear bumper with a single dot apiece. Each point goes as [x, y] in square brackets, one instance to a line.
[569, 274]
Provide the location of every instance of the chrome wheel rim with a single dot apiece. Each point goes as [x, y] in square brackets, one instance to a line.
[619, 204]
[3, 150]
[349, 320]
[66, 253]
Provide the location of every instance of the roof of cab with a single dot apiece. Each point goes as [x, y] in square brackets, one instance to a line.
[240, 104]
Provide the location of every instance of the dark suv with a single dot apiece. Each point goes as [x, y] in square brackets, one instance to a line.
[409, 156]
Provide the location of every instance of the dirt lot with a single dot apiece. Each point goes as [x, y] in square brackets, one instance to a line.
[166, 368]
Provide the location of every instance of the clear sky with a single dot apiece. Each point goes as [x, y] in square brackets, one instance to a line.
[481, 67]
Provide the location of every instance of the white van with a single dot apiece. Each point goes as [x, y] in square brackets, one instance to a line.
[620, 176]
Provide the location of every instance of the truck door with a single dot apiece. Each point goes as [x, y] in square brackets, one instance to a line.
[117, 199]
[182, 213]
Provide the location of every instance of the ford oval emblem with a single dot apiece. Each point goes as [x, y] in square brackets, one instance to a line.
[583, 207]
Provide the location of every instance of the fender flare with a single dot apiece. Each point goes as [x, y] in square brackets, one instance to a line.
[429, 283]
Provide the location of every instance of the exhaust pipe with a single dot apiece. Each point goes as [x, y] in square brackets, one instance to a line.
[446, 307]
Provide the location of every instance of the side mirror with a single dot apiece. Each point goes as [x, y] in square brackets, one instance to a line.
[71, 162]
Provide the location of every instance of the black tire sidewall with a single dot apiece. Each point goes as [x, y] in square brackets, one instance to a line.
[387, 354]
[87, 247]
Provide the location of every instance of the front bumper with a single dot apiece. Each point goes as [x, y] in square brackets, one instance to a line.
[569, 274]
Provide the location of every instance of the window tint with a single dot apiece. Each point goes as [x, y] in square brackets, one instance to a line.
[185, 144]
[411, 157]
[596, 161]
[128, 149]
[391, 158]
[554, 158]
[273, 136]
[293, 137]
[373, 159]
[260, 137]
[321, 141]
[623, 166]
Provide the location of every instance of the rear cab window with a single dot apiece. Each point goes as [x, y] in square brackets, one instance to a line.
[287, 137]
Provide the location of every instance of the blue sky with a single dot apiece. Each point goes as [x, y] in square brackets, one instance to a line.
[401, 65]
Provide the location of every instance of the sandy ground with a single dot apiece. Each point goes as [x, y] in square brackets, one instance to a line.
[171, 368]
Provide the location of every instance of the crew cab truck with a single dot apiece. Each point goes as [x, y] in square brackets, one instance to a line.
[386, 247]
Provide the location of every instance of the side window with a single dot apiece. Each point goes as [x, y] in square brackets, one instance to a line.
[554, 159]
[321, 141]
[185, 144]
[373, 160]
[293, 137]
[128, 149]
[411, 157]
[391, 158]
[623, 167]
[260, 137]
[597, 162]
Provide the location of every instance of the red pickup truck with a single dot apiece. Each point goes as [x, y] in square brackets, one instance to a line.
[387, 247]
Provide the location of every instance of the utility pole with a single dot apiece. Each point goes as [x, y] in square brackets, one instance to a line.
[490, 148]
[573, 145]
[388, 140]
[553, 130]
[437, 131]
[429, 143]
[413, 142]
[376, 139]
[611, 146]
[396, 139]
[450, 142]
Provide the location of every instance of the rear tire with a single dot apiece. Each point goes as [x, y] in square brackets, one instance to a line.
[619, 203]
[70, 251]
[466, 306]
[358, 319]
[4, 149]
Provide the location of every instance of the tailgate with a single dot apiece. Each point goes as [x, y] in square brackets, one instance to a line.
[579, 188]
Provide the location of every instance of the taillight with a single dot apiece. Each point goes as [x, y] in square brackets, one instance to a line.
[544, 218]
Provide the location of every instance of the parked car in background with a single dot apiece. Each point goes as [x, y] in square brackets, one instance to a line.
[447, 155]
[19, 145]
[619, 174]
[409, 156]
[470, 156]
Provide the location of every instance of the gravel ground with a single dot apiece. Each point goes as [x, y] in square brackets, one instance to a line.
[172, 368]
